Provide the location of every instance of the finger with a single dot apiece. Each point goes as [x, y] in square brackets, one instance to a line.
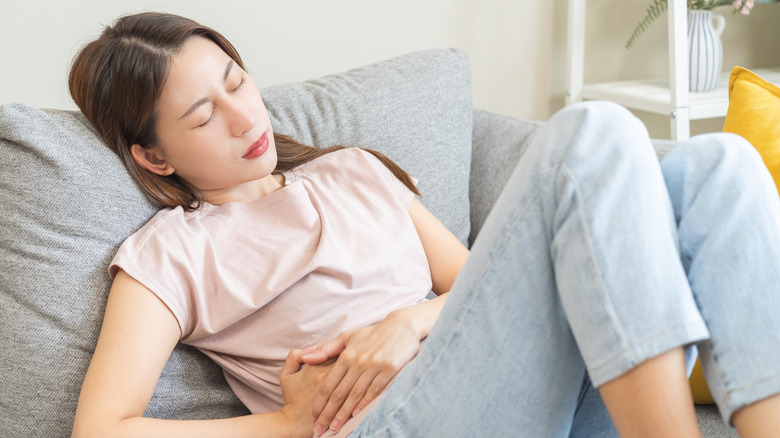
[327, 386]
[378, 385]
[291, 365]
[298, 352]
[357, 394]
[342, 393]
[321, 354]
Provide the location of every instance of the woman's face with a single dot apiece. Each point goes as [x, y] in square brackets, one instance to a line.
[212, 126]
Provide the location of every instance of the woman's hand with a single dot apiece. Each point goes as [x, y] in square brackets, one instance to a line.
[299, 387]
[368, 359]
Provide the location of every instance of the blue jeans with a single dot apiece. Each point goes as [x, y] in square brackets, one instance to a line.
[593, 260]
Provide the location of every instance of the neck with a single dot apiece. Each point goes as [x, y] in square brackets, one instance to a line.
[248, 191]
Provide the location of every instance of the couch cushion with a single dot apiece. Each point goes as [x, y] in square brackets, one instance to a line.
[498, 143]
[66, 204]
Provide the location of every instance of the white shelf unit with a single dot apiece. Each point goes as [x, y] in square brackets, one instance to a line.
[668, 96]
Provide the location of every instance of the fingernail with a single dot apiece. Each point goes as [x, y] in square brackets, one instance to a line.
[335, 425]
[319, 429]
[355, 412]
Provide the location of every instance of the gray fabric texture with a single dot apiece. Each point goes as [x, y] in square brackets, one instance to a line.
[711, 423]
[416, 109]
[498, 142]
[66, 204]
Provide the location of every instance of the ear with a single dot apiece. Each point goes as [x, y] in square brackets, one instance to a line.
[151, 159]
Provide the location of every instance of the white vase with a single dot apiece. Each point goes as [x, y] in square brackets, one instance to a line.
[705, 51]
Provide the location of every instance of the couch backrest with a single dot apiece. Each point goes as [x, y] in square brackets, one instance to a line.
[498, 142]
[66, 204]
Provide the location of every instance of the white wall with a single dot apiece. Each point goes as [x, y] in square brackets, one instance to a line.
[516, 48]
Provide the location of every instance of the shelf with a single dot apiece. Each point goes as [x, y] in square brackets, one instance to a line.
[654, 95]
[669, 96]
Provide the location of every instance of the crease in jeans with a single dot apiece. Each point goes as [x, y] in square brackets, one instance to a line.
[596, 272]
[632, 348]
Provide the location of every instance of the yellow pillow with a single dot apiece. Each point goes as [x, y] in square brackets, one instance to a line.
[754, 113]
[699, 388]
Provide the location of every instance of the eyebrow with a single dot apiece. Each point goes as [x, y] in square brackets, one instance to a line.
[203, 100]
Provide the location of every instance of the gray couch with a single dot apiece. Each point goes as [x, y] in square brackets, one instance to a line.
[66, 204]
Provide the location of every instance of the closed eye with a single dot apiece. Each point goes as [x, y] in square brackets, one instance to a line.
[214, 108]
[211, 116]
[240, 84]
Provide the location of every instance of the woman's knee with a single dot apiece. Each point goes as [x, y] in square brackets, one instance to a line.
[603, 129]
[600, 115]
[720, 155]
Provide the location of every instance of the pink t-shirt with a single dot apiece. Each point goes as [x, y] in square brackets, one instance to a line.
[333, 250]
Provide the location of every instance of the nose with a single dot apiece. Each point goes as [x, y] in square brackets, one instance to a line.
[241, 118]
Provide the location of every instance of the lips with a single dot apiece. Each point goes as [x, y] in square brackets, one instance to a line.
[258, 147]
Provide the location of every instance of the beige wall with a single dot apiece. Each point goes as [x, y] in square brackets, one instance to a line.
[516, 48]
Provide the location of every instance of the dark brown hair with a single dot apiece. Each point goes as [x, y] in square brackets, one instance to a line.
[116, 80]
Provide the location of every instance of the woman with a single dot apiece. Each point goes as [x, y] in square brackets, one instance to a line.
[595, 266]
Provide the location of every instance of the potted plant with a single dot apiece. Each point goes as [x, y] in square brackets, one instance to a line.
[704, 29]
[658, 7]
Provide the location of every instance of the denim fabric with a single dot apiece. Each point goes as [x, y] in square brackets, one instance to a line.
[727, 210]
[577, 276]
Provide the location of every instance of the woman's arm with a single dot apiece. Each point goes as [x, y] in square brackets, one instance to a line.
[445, 254]
[138, 334]
[369, 358]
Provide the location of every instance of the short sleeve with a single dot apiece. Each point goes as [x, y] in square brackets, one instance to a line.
[157, 258]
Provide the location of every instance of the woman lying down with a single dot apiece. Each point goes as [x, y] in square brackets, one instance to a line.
[303, 272]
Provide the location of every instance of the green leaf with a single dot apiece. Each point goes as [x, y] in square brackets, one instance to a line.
[655, 10]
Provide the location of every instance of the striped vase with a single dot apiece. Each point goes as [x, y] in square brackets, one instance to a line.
[705, 51]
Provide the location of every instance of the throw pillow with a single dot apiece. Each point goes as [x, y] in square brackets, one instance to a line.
[754, 113]
[699, 389]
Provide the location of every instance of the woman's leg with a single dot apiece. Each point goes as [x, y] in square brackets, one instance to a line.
[728, 211]
[653, 399]
[578, 259]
